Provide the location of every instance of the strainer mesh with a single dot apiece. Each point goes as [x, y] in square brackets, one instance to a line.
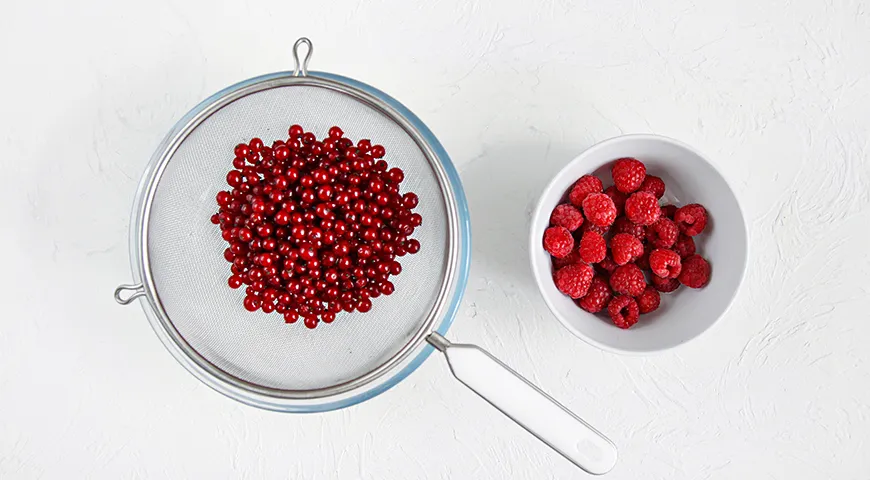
[189, 272]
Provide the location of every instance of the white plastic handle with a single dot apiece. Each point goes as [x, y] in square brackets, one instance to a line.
[527, 405]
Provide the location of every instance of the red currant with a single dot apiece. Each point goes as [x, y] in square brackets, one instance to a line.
[252, 304]
[364, 305]
[396, 175]
[241, 150]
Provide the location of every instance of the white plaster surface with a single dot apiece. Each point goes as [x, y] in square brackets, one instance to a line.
[776, 92]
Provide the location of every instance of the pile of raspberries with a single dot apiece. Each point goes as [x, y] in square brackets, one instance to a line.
[602, 242]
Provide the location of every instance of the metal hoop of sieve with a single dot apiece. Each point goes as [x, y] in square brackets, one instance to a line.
[257, 359]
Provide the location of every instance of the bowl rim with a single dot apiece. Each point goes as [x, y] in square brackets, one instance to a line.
[534, 242]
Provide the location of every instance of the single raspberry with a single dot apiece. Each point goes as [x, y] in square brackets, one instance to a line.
[628, 280]
[642, 208]
[624, 225]
[586, 185]
[606, 266]
[590, 227]
[599, 209]
[643, 260]
[597, 297]
[696, 272]
[649, 300]
[566, 215]
[628, 174]
[570, 259]
[665, 263]
[592, 247]
[663, 233]
[691, 219]
[558, 241]
[653, 185]
[625, 248]
[618, 199]
[669, 210]
[574, 280]
[684, 246]
[665, 285]
[623, 311]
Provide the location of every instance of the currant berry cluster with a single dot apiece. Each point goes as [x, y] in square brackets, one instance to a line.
[314, 227]
[604, 240]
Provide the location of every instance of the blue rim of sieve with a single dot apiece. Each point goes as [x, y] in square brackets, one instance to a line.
[464, 244]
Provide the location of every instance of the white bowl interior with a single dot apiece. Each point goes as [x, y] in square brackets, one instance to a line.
[683, 314]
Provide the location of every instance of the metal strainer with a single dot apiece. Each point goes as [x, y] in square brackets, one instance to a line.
[256, 358]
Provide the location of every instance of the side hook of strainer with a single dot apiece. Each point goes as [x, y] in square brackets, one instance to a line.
[253, 358]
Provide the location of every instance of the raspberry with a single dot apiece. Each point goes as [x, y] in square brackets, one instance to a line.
[574, 280]
[684, 246]
[665, 263]
[642, 208]
[590, 227]
[624, 225]
[586, 185]
[628, 280]
[592, 247]
[617, 197]
[628, 174]
[570, 259]
[643, 260]
[665, 285]
[625, 248]
[669, 211]
[653, 185]
[606, 266]
[558, 241]
[599, 209]
[696, 272]
[649, 300]
[663, 233]
[623, 311]
[565, 215]
[691, 219]
[597, 297]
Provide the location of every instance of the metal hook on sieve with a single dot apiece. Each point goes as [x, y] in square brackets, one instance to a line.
[137, 291]
[302, 67]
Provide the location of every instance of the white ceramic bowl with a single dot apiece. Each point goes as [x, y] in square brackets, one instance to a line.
[686, 313]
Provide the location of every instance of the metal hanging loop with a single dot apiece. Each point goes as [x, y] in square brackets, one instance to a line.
[125, 294]
[302, 67]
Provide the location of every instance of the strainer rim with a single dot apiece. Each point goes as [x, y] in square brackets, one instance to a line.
[418, 352]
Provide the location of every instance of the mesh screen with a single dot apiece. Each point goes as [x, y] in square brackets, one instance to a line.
[190, 272]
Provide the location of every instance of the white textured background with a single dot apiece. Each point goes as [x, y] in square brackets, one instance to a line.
[777, 93]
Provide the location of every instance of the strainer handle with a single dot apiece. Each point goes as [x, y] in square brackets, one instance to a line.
[528, 406]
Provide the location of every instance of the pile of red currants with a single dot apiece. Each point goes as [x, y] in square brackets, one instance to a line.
[314, 227]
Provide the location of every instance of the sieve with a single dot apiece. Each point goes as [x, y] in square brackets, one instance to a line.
[180, 275]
